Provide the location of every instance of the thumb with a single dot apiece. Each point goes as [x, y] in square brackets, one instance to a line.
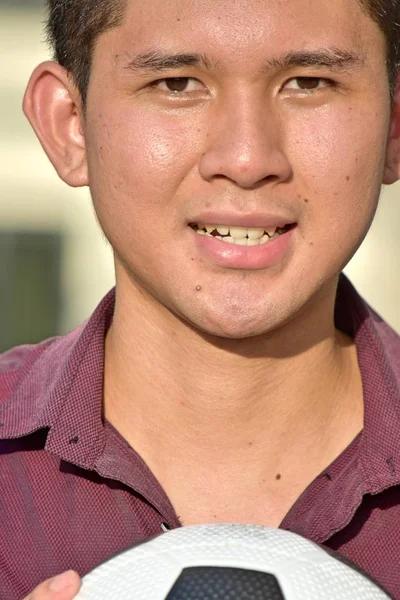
[62, 587]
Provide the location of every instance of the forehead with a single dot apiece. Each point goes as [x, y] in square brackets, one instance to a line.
[241, 35]
[240, 23]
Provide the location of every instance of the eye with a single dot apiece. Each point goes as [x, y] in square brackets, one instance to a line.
[308, 84]
[178, 85]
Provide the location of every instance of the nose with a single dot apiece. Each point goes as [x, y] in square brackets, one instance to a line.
[245, 145]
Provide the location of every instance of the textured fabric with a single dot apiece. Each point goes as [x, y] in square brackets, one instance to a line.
[73, 492]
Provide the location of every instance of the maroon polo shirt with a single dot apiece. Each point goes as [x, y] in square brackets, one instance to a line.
[73, 492]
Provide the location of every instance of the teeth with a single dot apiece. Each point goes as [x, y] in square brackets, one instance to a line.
[226, 239]
[240, 236]
[240, 241]
[239, 233]
[255, 234]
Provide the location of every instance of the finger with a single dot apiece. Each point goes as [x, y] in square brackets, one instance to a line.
[62, 587]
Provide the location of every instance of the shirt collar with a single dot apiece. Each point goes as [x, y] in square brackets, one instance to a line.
[60, 387]
[378, 350]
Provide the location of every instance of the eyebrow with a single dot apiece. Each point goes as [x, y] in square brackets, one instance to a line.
[332, 58]
[156, 61]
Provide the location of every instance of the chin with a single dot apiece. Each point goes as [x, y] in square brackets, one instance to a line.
[235, 327]
[234, 316]
[238, 335]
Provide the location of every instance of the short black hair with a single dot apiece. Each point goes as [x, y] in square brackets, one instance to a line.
[386, 13]
[73, 27]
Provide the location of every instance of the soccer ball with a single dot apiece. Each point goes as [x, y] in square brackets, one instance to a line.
[228, 562]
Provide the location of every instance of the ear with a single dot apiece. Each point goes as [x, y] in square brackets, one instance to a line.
[392, 165]
[53, 107]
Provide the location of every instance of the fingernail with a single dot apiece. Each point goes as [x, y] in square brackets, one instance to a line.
[61, 582]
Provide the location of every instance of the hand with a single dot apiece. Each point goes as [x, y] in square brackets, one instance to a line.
[62, 587]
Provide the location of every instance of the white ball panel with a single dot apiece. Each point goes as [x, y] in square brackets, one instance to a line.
[303, 569]
[127, 576]
[335, 580]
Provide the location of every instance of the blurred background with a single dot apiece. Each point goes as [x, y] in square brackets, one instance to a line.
[55, 265]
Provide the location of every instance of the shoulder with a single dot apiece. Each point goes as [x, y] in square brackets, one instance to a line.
[37, 380]
[386, 341]
[36, 365]
[378, 344]
[16, 364]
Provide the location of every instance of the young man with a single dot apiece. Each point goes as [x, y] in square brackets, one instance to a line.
[235, 152]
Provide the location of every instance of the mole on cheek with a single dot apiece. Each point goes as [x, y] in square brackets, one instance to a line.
[198, 288]
[306, 200]
[347, 178]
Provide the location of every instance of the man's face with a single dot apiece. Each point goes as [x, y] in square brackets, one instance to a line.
[251, 135]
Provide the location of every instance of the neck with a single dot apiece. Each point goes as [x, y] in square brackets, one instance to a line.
[167, 385]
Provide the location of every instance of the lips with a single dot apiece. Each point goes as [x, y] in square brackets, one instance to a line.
[244, 253]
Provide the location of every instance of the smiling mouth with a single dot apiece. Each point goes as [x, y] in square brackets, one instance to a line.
[241, 236]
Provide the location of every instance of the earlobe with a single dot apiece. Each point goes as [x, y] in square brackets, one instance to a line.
[392, 166]
[52, 106]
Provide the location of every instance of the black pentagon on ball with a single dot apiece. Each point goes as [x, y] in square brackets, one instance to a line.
[223, 583]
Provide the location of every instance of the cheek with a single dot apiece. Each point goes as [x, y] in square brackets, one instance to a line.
[141, 153]
[137, 162]
[340, 162]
